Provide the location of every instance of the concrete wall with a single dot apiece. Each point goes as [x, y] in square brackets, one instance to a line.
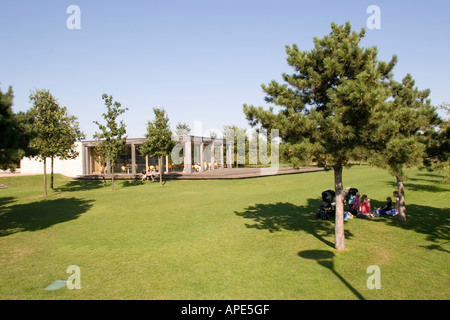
[69, 168]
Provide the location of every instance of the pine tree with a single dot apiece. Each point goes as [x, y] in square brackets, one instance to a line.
[404, 125]
[182, 129]
[326, 103]
[438, 144]
[112, 136]
[158, 141]
[15, 133]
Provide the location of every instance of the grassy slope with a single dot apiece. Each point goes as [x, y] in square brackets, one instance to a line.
[242, 239]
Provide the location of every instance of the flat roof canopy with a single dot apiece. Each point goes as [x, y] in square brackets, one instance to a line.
[197, 139]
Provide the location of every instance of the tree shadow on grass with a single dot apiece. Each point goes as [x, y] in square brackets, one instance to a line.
[80, 185]
[278, 216]
[40, 214]
[283, 215]
[433, 222]
[6, 200]
[325, 259]
[136, 182]
[427, 176]
[424, 219]
[132, 183]
[422, 182]
[421, 187]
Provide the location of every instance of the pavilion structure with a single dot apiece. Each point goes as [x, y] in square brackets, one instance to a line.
[191, 154]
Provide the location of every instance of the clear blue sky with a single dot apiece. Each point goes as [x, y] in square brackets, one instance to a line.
[200, 60]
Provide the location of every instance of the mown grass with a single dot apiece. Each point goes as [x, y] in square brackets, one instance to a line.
[241, 239]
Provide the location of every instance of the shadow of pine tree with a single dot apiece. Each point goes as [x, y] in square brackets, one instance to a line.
[283, 215]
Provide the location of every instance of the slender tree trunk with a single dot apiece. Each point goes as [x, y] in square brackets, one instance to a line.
[104, 170]
[51, 175]
[45, 177]
[339, 223]
[402, 204]
[160, 170]
[112, 177]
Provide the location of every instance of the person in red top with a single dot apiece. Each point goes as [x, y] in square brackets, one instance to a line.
[365, 204]
[364, 207]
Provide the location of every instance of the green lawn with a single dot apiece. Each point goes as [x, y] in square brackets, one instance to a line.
[242, 239]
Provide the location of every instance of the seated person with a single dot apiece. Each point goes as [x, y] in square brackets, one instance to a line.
[355, 207]
[144, 175]
[387, 209]
[394, 212]
[348, 197]
[351, 199]
[364, 211]
[151, 173]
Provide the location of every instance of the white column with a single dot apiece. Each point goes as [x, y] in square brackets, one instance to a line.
[229, 156]
[212, 155]
[221, 155]
[187, 155]
[133, 158]
[167, 164]
[201, 157]
[86, 159]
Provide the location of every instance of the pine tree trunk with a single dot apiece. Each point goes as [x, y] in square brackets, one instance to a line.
[339, 223]
[51, 175]
[402, 204]
[45, 177]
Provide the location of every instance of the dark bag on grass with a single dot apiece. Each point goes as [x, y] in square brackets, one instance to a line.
[361, 215]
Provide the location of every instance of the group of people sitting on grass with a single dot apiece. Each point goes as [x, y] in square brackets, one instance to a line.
[149, 175]
[359, 206]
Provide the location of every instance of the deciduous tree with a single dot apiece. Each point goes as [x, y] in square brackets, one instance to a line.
[56, 131]
[158, 139]
[112, 135]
